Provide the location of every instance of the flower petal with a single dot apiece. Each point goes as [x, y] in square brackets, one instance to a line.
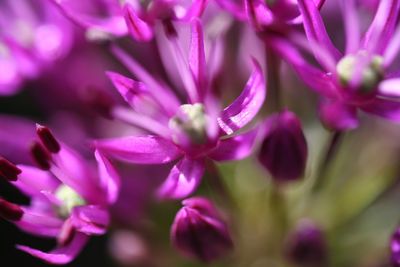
[128, 88]
[235, 148]
[62, 255]
[315, 29]
[140, 149]
[195, 10]
[91, 220]
[32, 181]
[315, 78]
[351, 24]
[381, 30]
[385, 108]
[138, 28]
[197, 58]
[183, 179]
[39, 223]
[109, 178]
[246, 106]
[164, 98]
[390, 87]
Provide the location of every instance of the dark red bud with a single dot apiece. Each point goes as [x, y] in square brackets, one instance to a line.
[199, 232]
[47, 138]
[8, 170]
[10, 211]
[284, 149]
[41, 156]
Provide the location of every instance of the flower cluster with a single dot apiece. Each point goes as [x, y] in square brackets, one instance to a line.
[160, 101]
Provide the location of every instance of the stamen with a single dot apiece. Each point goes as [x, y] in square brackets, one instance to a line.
[41, 156]
[47, 138]
[10, 211]
[8, 170]
[67, 234]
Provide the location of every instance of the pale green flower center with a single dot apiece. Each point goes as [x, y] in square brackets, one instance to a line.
[69, 198]
[190, 120]
[371, 74]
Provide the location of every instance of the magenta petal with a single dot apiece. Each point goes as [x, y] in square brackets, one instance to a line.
[381, 30]
[183, 179]
[315, 78]
[128, 88]
[32, 181]
[197, 58]
[337, 116]
[387, 109]
[139, 29]
[246, 106]
[109, 178]
[164, 98]
[234, 7]
[258, 13]
[195, 10]
[39, 223]
[62, 255]
[91, 220]
[140, 149]
[315, 29]
[235, 148]
[390, 87]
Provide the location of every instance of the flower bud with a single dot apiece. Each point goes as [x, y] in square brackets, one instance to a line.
[199, 232]
[395, 248]
[306, 245]
[284, 148]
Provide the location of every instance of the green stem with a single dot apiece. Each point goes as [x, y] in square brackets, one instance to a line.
[273, 79]
[331, 151]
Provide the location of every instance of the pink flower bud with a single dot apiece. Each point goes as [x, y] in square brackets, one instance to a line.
[284, 149]
[199, 232]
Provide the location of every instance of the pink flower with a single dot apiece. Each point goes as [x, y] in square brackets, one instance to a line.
[192, 131]
[359, 79]
[69, 198]
[29, 41]
[131, 16]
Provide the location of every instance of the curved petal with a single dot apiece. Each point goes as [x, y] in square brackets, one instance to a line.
[390, 87]
[315, 29]
[315, 78]
[127, 88]
[258, 13]
[62, 255]
[381, 30]
[234, 7]
[351, 24]
[247, 105]
[90, 220]
[197, 58]
[138, 28]
[385, 108]
[32, 181]
[164, 98]
[112, 23]
[109, 178]
[39, 223]
[140, 149]
[183, 179]
[235, 148]
[195, 10]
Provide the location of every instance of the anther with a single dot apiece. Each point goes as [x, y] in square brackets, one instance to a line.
[41, 156]
[10, 211]
[47, 138]
[8, 170]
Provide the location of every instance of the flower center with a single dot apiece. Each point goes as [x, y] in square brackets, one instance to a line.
[369, 68]
[69, 199]
[189, 124]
